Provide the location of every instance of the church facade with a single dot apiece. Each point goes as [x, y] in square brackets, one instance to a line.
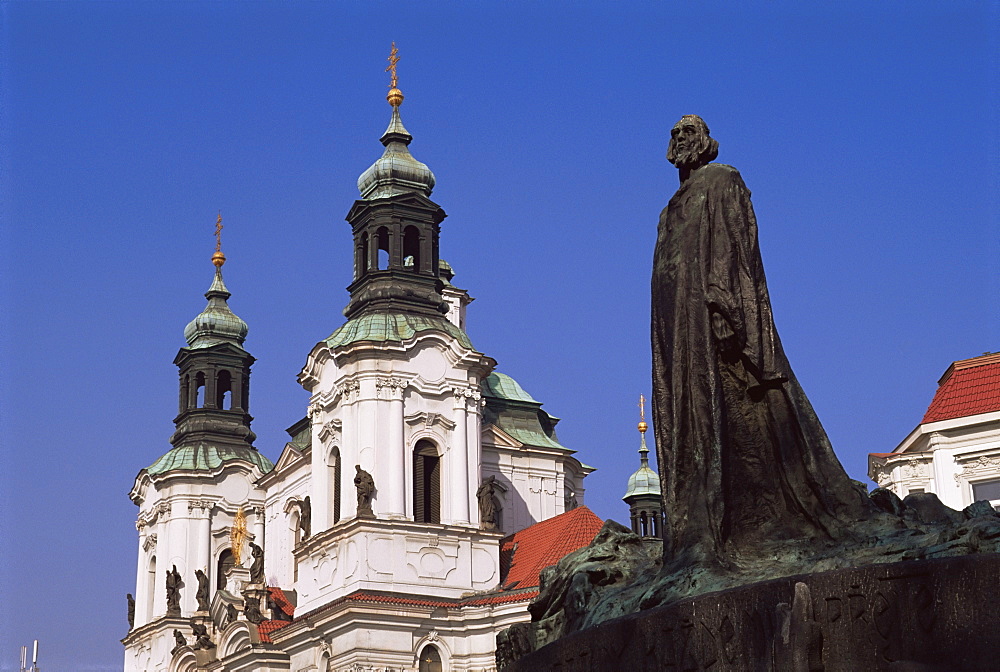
[377, 539]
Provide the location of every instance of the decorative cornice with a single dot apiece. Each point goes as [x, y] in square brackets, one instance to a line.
[974, 467]
[428, 420]
[330, 429]
[149, 542]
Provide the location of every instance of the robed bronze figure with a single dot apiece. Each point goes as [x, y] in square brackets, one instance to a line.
[743, 457]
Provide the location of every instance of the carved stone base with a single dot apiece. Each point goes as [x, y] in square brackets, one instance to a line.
[929, 615]
[236, 578]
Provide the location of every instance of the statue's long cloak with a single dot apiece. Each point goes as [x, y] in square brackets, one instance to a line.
[738, 464]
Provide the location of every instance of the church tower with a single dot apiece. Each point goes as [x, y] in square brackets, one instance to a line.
[643, 493]
[396, 396]
[189, 498]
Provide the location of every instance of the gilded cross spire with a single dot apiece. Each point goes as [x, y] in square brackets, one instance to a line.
[395, 96]
[643, 451]
[218, 258]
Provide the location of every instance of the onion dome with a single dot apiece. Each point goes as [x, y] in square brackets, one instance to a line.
[644, 481]
[217, 323]
[397, 172]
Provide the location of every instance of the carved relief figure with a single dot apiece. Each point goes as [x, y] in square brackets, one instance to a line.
[173, 591]
[743, 454]
[488, 509]
[131, 610]
[202, 594]
[251, 609]
[179, 641]
[365, 485]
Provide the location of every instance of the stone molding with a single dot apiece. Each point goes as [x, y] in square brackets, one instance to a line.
[428, 420]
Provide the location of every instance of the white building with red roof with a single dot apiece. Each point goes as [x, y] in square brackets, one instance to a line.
[955, 450]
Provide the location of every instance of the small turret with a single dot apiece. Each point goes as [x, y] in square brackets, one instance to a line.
[643, 493]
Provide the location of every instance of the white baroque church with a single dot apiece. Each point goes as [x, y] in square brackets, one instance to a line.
[405, 522]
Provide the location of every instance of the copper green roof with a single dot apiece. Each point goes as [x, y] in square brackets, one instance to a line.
[514, 411]
[502, 386]
[398, 327]
[207, 458]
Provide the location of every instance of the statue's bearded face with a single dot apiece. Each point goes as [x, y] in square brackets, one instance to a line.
[690, 144]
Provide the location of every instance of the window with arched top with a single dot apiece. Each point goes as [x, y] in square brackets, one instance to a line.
[199, 393]
[150, 588]
[226, 563]
[430, 659]
[224, 391]
[426, 483]
[382, 239]
[411, 247]
[333, 467]
[185, 393]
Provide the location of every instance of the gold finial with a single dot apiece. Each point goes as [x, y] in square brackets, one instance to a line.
[218, 258]
[642, 414]
[395, 96]
[238, 535]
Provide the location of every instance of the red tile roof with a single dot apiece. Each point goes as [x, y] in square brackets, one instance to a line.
[278, 595]
[968, 387]
[265, 628]
[524, 554]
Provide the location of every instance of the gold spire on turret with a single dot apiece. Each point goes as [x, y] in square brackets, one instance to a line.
[642, 414]
[218, 258]
[237, 535]
[395, 96]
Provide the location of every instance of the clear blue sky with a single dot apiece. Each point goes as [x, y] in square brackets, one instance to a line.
[866, 131]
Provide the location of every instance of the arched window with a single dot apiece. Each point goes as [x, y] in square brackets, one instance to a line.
[224, 391]
[643, 525]
[226, 563]
[426, 483]
[333, 467]
[430, 660]
[382, 236]
[150, 588]
[411, 247]
[199, 382]
[363, 262]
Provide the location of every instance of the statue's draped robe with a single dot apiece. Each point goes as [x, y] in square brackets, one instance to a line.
[739, 463]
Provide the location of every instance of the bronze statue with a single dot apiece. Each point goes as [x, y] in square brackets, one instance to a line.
[488, 508]
[202, 594]
[305, 517]
[173, 591]
[365, 485]
[131, 610]
[742, 454]
[201, 638]
[257, 566]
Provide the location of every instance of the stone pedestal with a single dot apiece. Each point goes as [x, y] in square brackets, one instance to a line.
[927, 615]
[236, 578]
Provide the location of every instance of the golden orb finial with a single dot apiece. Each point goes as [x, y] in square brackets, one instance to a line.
[218, 258]
[395, 96]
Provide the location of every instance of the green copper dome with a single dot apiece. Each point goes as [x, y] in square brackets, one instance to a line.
[217, 323]
[396, 172]
[504, 387]
[398, 327]
[644, 481]
[207, 458]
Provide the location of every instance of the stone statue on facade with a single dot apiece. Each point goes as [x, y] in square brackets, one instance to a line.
[305, 517]
[231, 615]
[257, 566]
[173, 591]
[488, 509]
[131, 610]
[251, 609]
[179, 641]
[365, 485]
[202, 593]
[201, 638]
